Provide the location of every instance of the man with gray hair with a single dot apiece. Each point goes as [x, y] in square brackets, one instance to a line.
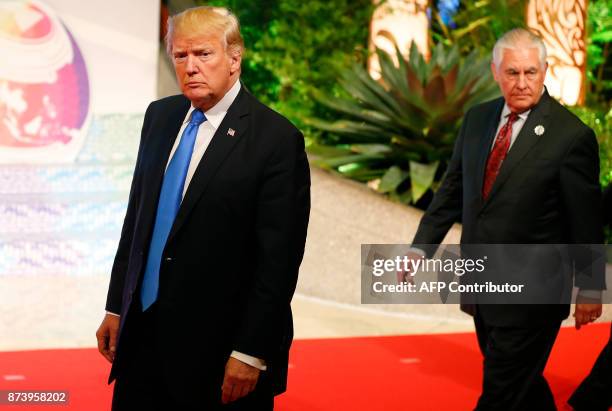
[198, 308]
[524, 170]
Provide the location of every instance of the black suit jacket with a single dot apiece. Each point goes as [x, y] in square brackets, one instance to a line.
[546, 192]
[230, 265]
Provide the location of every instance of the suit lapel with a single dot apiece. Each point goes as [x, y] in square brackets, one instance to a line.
[525, 141]
[489, 135]
[230, 131]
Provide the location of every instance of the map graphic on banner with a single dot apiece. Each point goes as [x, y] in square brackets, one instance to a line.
[75, 79]
[44, 86]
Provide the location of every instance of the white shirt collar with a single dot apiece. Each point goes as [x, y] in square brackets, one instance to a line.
[216, 113]
[506, 112]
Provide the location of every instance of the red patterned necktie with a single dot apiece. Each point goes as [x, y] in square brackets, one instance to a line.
[498, 154]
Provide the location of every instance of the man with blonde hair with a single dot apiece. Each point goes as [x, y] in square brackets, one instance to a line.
[524, 170]
[198, 308]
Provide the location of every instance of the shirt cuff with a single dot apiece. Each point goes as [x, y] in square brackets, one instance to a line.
[590, 294]
[116, 315]
[417, 251]
[250, 360]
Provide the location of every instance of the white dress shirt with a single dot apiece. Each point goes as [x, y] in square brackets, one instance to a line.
[206, 131]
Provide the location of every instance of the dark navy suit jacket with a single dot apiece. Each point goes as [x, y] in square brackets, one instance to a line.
[230, 265]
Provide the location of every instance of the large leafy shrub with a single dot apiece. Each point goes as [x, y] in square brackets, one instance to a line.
[294, 47]
[398, 132]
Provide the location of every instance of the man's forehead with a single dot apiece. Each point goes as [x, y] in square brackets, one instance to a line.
[196, 41]
[521, 56]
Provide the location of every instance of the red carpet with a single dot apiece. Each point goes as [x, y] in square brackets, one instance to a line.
[417, 372]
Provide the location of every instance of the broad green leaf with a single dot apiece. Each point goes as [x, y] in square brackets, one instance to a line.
[421, 178]
[391, 179]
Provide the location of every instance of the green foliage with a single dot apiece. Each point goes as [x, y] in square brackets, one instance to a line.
[296, 46]
[401, 140]
[599, 69]
[479, 24]
[254, 18]
[401, 128]
[601, 123]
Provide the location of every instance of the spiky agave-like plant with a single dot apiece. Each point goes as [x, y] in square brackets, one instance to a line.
[399, 130]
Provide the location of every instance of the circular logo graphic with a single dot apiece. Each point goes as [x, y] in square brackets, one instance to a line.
[44, 87]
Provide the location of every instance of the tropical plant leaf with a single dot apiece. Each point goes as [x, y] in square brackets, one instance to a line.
[327, 150]
[471, 27]
[344, 160]
[434, 93]
[392, 179]
[421, 178]
[371, 148]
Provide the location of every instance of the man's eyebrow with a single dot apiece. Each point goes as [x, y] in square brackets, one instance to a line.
[193, 49]
[532, 68]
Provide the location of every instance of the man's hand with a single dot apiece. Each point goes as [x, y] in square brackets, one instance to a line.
[107, 336]
[586, 313]
[240, 379]
[407, 275]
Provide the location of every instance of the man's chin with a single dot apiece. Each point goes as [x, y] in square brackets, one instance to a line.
[521, 104]
[197, 99]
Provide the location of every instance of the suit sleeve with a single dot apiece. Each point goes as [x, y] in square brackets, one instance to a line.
[581, 197]
[283, 208]
[120, 264]
[446, 206]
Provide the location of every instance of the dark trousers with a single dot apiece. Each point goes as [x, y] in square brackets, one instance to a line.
[595, 392]
[141, 383]
[514, 360]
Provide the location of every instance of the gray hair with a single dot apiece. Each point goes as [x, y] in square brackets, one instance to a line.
[518, 39]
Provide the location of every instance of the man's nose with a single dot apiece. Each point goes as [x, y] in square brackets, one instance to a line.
[522, 80]
[191, 66]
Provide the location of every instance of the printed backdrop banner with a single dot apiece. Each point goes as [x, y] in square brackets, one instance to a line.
[75, 79]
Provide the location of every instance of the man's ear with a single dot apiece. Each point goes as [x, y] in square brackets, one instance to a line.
[494, 71]
[235, 62]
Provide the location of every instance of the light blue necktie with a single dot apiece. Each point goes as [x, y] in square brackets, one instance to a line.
[169, 203]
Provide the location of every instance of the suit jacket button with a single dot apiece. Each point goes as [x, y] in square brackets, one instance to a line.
[168, 259]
